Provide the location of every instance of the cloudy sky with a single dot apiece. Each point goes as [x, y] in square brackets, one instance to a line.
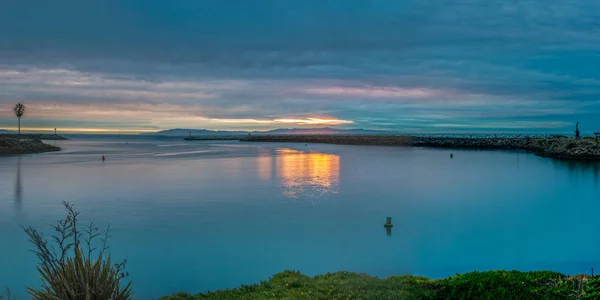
[408, 65]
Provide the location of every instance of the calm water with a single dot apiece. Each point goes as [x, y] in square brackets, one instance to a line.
[198, 216]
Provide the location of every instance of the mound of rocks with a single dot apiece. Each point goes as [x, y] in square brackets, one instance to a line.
[10, 144]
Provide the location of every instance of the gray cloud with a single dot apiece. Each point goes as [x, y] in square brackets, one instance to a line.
[497, 61]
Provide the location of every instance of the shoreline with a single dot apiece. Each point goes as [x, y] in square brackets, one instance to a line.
[32, 144]
[494, 284]
[587, 148]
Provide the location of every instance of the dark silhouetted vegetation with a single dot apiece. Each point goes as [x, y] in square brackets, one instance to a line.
[19, 110]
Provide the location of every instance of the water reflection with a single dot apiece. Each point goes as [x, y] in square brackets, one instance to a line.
[302, 175]
[18, 185]
[583, 167]
[388, 231]
[265, 164]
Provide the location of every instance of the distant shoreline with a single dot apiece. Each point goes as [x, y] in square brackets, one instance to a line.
[587, 148]
[215, 138]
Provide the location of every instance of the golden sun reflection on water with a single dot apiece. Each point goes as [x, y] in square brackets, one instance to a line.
[302, 175]
[265, 164]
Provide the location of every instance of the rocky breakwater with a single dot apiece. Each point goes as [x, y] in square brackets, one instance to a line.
[570, 148]
[555, 147]
[551, 146]
[48, 137]
[380, 140]
[10, 144]
[530, 144]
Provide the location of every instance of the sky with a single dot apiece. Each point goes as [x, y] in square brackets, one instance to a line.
[410, 65]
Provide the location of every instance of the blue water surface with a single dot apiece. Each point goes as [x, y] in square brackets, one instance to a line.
[203, 215]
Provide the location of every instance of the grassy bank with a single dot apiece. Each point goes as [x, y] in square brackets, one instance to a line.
[474, 285]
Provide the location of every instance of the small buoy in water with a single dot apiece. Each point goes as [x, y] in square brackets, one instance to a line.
[451, 155]
[103, 159]
[388, 223]
[305, 145]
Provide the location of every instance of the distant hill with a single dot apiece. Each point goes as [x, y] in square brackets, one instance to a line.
[194, 132]
[325, 130]
[182, 132]
[2, 131]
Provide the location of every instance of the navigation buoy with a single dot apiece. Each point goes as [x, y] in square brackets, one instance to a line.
[388, 223]
[451, 155]
[103, 159]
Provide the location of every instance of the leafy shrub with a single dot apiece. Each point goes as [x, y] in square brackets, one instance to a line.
[71, 272]
[592, 289]
[506, 285]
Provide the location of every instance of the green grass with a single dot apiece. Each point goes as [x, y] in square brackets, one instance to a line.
[345, 285]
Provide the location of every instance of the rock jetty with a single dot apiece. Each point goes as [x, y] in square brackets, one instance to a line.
[375, 140]
[10, 145]
[551, 146]
[47, 137]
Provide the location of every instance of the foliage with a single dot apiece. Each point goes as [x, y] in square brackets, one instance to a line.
[341, 285]
[345, 285]
[507, 285]
[592, 289]
[19, 109]
[72, 272]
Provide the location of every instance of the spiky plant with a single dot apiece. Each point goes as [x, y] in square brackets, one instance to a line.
[19, 110]
[72, 272]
